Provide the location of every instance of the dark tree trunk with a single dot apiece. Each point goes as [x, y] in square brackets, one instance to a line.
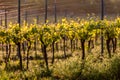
[23, 47]
[92, 42]
[90, 45]
[9, 53]
[61, 46]
[115, 45]
[89, 49]
[6, 58]
[19, 55]
[96, 37]
[83, 48]
[71, 43]
[53, 52]
[64, 46]
[42, 49]
[108, 47]
[28, 50]
[76, 44]
[57, 48]
[114, 42]
[35, 48]
[45, 55]
[7, 49]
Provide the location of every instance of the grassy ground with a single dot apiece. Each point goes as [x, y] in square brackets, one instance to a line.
[94, 67]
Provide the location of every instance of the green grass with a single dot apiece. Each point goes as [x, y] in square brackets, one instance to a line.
[94, 67]
[73, 68]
